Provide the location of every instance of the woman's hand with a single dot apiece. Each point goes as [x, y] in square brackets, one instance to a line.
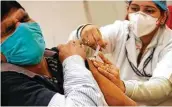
[71, 48]
[113, 95]
[110, 71]
[92, 37]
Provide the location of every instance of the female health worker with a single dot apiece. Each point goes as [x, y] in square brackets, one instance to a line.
[141, 48]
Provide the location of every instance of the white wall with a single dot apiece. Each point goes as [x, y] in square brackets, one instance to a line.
[106, 12]
[59, 18]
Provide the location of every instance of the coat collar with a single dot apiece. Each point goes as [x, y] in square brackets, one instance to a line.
[131, 44]
[131, 49]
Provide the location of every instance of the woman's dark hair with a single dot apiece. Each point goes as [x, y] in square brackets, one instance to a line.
[6, 6]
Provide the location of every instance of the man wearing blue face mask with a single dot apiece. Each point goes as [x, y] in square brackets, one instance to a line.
[29, 78]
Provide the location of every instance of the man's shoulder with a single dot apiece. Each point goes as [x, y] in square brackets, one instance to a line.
[19, 90]
[7, 75]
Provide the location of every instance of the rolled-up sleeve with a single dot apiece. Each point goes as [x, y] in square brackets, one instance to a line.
[80, 87]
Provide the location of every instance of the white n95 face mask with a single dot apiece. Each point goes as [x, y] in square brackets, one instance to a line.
[142, 23]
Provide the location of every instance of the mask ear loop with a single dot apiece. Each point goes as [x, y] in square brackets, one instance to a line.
[159, 23]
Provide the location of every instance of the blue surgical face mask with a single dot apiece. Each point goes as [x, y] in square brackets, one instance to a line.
[25, 46]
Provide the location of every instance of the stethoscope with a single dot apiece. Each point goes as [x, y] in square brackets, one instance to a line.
[138, 72]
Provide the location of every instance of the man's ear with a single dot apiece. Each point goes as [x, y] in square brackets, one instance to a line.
[3, 58]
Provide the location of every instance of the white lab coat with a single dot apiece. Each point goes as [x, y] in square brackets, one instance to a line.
[144, 90]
